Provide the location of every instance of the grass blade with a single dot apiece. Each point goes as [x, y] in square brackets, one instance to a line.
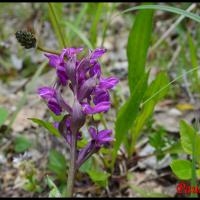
[172, 27]
[68, 24]
[93, 29]
[110, 9]
[81, 15]
[164, 8]
[79, 22]
[193, 58]
[170, 83]
[54, 14]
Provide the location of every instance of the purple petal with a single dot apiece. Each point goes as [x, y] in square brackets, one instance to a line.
[93, 133]
[108, 83]
[78, 117]
[54, 106]
[95, 70]
[56, 124]
[70, 69]
[70, 52]
[54, 60]
[105, 136]
[63, 103]
[104, 133]
[79, 136]
[84, 152]
[46, 92]
[82, 68]
[62, 56]
[68, 123]
[86, 88]
[101, 107]
[61, 73]
[97, 53]
[100, 95]
[65, 129]
[83, 65]
[81, 78]
[106, 140]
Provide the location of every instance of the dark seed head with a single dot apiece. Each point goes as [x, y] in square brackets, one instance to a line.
[26, 39]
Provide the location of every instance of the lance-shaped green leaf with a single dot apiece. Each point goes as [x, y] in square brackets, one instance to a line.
[128, 113]
[47, 125]
[138, 44]
[57, 164]
[193, 59]
[147, 110]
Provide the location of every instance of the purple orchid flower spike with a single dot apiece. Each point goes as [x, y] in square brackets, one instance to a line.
[84, 79]
[91, 95]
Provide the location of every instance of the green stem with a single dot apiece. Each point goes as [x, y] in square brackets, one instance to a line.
[47, 50]
[57, 25]
[72, 167]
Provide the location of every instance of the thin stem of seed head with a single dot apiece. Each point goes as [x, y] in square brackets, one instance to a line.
[40, 48]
